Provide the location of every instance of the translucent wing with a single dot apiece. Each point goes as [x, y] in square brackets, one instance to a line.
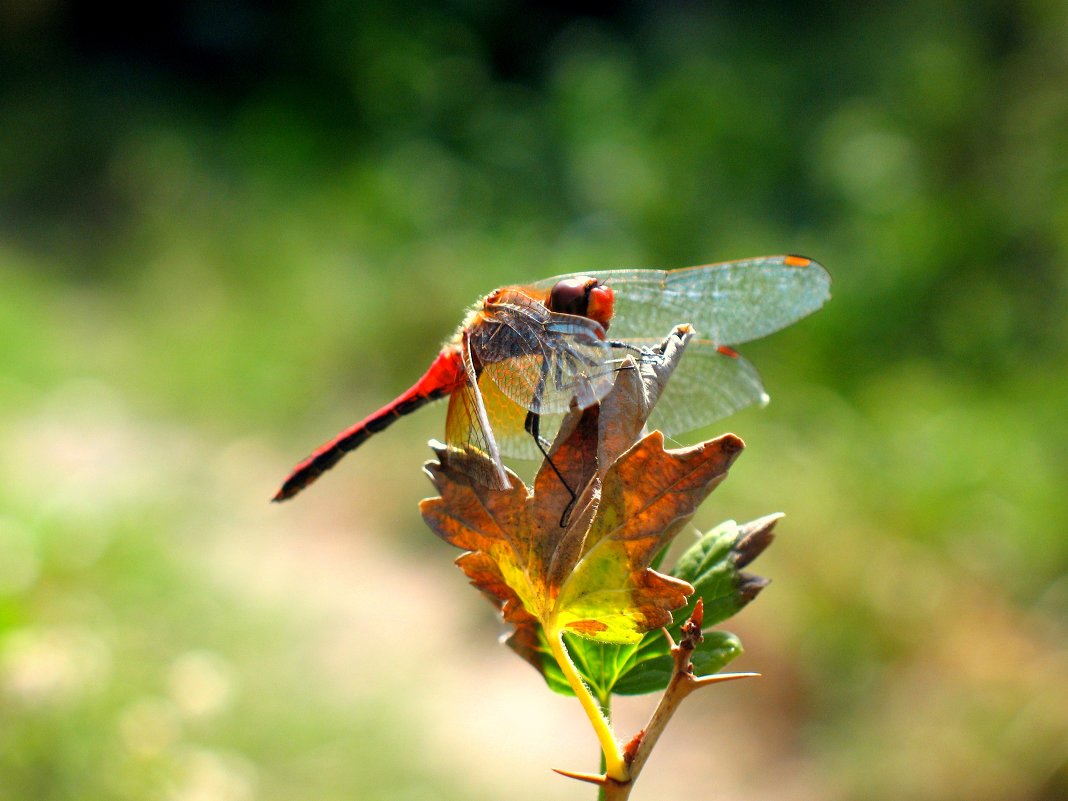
[710, 383]
[541, 360]
[470, 440]
[509, 422]
[727, 303]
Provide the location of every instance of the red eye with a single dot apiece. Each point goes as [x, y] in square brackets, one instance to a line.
[600, 304]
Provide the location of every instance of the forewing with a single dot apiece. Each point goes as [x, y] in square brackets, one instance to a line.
[726, 303]
[542, 360]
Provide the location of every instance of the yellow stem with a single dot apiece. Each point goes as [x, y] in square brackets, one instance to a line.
[615, 767]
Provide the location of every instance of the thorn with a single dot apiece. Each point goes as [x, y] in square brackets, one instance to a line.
[716, 678]
[593, 778]
[691, 629]
[698, 616]
[630, 750]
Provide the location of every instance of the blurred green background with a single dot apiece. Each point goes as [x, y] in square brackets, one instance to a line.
[228, 230]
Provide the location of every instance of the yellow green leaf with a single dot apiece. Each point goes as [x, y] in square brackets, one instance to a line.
[611, 594]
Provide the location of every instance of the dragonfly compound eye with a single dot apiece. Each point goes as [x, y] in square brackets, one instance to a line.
[600, 304]
[585, 297]
[569, 296]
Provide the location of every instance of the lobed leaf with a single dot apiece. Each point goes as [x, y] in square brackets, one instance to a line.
[583, 564]
[611, 594]
[591, 577]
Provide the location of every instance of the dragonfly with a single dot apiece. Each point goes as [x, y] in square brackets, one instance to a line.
[529, 351]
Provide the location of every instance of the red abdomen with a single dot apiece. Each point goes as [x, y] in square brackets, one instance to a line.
[445, 375]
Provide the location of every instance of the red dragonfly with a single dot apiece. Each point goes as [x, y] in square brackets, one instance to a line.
[527, 351]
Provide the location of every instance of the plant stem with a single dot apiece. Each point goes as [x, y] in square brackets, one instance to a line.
[682, 683]
[614, 765]
[606, 707]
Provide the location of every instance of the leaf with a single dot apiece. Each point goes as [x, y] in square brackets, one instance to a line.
[653, 673]
[713, 566]
[611, 594]
[591, 577]
[632, 669]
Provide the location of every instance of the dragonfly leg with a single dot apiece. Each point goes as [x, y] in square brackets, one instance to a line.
[620, 345]
[645, 355]
[532, 425]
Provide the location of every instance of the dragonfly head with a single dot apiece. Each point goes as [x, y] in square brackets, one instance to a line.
[584, 297]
